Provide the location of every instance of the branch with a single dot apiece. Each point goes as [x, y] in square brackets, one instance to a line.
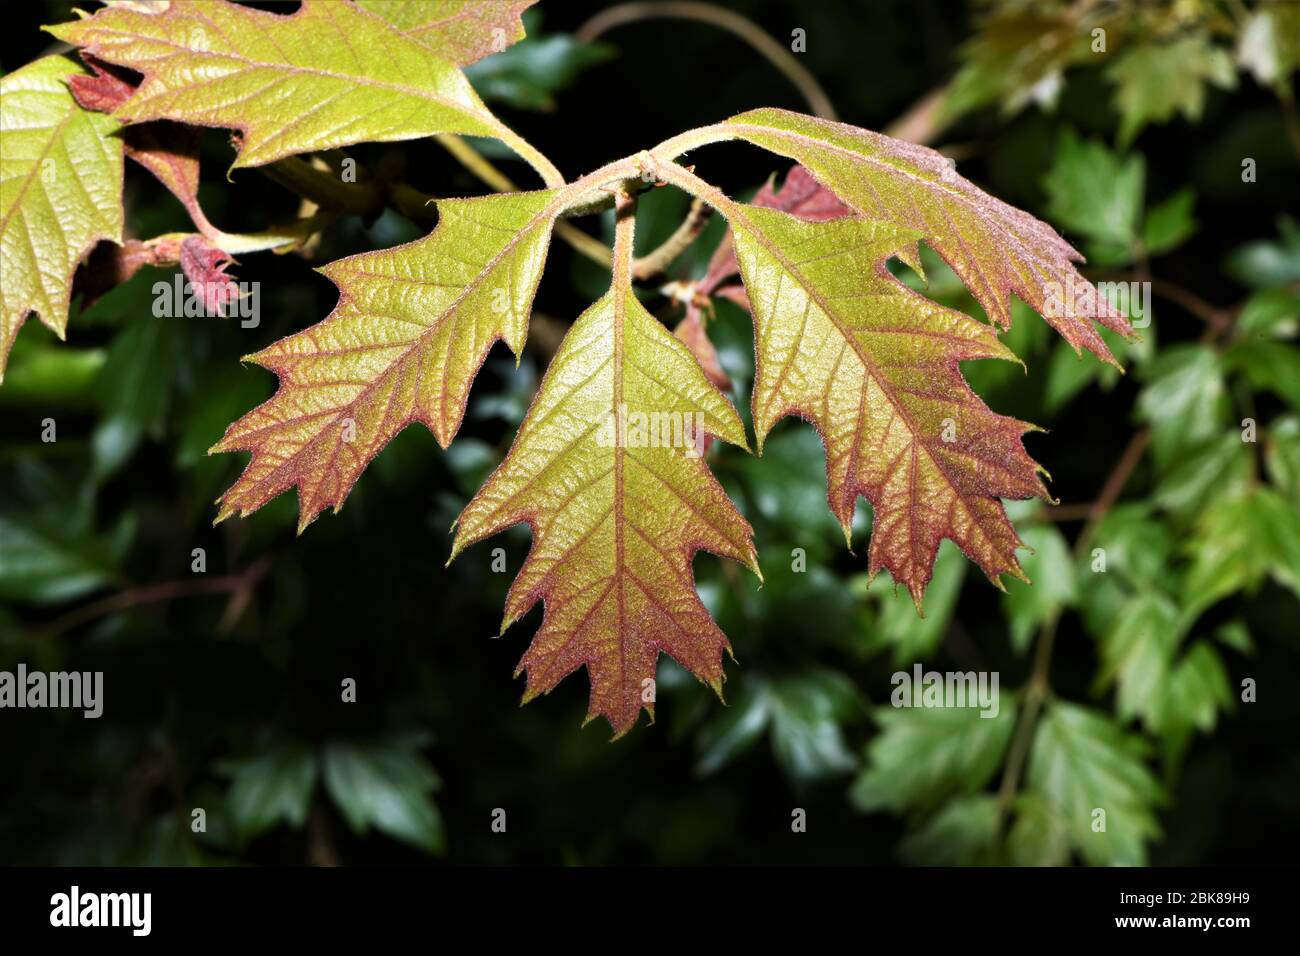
[728, 20]
[239, 586]
[658, 260]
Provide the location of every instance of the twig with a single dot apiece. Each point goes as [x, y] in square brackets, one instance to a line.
[924, 120]
[237, 585]
[658, 260]
[729, 20]
[482, 167]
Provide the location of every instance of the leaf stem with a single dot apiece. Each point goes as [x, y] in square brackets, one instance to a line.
[658, 260]
[624, 235]
[534, 157]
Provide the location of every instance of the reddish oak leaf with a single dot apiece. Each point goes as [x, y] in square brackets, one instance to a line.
[412, 327]
[464, 31]
[801, 196]
[168, 150]
[617, 512]
[996, 249]
[205, 266]
[874, 366]
[692, 333]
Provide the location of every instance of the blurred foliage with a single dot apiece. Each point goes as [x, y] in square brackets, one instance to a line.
[224, 688]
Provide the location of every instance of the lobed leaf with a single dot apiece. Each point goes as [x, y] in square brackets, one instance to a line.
[874, 366]
[411, 330]
[463, 31]
[993, 247]
[616, 522]
[328, 75]
[60, 193]
[168, 150]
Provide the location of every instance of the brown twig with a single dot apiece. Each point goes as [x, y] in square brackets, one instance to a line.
[239, 586]
[658, 260]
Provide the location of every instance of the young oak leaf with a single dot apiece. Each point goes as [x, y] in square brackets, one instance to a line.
[874, 365]
[60, 193]
[800, 195]
[411, 329]
[463, 31]
[996, 249]
[168, 150]
[616, 518]
[328, 75]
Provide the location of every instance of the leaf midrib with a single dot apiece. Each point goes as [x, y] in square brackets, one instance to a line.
[736, 213]
[154, 71]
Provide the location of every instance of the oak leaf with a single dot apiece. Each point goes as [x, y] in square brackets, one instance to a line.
[616, 516]
[874, 366]
[996, 249]
[411, 329]
[60, 193]
[463, 31]
[168, 150]
[342, 74]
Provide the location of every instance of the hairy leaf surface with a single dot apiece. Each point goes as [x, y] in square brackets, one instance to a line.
[874, 366]
[168, 150]
[328, 75]
[410, 332]
[616, 520]
[994, 248]
[60, 193]
[463, 31]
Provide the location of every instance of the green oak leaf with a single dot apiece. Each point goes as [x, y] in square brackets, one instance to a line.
[60, 193]
[328, 75]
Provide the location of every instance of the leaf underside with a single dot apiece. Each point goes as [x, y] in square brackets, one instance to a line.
[608, 467]
[463, 31]
[616, 521]
[339, 74]
[994, 248]
[411, 329]
[874, 366]
[60, 193]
